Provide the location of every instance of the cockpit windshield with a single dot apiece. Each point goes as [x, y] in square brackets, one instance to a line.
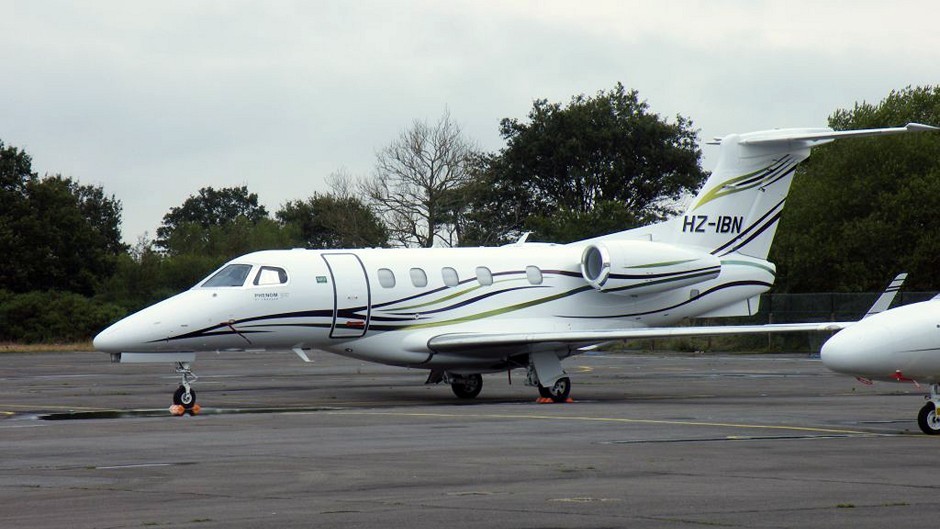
[233, 275]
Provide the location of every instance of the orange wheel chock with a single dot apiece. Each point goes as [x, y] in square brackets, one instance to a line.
[547, 400]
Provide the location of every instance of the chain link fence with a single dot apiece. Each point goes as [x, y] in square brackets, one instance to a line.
[782, 308]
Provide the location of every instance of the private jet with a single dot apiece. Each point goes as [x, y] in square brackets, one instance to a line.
[898, 345]
[459, 313]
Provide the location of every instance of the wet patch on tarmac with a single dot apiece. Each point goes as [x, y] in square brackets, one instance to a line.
[162, 413]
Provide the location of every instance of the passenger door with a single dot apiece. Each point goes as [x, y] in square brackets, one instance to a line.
[351, 296]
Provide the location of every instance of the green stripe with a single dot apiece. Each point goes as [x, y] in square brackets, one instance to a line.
[656, 265]
[447, 297]
[689, 275]
[497, 312]
[721, 189]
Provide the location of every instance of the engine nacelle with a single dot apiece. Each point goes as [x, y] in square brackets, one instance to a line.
[641, 267]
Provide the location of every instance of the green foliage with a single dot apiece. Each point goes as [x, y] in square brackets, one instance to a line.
[210, 208]
[334, 221]
[55, 234]
[568, 225]
[862, 210]
[607, 149]
[229, 240]
[51, 316]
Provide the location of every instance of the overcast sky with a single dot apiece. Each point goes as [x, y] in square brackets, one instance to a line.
[153, 100]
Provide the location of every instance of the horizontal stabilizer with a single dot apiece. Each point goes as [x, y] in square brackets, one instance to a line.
[825, 135]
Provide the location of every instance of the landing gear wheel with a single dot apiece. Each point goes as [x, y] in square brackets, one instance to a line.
[468, 387]
[186, 399]
[927, 419]
[559, 390]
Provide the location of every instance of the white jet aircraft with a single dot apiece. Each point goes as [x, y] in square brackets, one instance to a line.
[461, 312]
[899, 345]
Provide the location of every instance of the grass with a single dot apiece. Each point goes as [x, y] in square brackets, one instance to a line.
[10, 347]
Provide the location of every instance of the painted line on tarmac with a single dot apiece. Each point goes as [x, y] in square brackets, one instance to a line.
[619, 420]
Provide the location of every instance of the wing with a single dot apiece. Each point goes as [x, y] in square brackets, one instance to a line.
[486, 344]
[469, 343]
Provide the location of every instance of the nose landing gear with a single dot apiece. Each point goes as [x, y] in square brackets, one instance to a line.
[184, 398]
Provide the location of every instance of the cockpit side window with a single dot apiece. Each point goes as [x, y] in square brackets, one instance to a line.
[270, 275]
[233, 275]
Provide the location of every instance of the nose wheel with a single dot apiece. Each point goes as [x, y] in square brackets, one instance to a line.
[184, 398]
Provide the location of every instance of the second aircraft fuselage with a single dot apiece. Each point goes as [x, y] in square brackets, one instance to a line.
[900, 344]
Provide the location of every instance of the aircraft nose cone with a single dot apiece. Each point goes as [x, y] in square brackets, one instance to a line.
[839, 352]
[123, 336]
[861, 350]
[109, 341]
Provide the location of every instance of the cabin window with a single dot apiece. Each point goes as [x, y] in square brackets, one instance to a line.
[418, 277]
[386, 278]
[270, 275]
[450, 277]
[534, 275]
[484, 276]
[233, 275]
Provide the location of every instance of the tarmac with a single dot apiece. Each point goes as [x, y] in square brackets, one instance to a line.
[652, 440]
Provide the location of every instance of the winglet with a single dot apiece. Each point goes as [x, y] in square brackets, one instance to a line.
[886, 297]
[914, 127]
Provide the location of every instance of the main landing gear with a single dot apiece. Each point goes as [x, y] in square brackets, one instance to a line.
[544, 371]
[466, 386]
[928, 419]
[469, 386]
[558, 392]
[184, 398]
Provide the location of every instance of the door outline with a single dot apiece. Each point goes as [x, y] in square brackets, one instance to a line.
[346, 285]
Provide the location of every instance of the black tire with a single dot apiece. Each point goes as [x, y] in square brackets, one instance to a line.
[545, 393]
[928, 420]
[468, 387]
[184, 399]
[560, 389]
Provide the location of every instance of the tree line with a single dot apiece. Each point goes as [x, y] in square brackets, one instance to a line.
[859, 211]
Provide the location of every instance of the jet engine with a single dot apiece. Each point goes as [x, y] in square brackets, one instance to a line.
[632, 267]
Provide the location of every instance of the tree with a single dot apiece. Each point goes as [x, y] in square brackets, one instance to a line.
[16, 174]
[55, 234]
[333, 221]
[569, 169]
[414, 180]
[72, 234]
[210, 208]
[861, 211]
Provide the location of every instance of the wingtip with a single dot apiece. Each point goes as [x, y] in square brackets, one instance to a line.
[918, 127]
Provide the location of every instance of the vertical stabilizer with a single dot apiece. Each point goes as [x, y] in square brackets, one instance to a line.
[738, 208]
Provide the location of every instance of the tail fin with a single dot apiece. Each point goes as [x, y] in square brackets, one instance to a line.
[738, 208]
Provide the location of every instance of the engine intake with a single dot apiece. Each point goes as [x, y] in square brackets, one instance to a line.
[641, 267]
